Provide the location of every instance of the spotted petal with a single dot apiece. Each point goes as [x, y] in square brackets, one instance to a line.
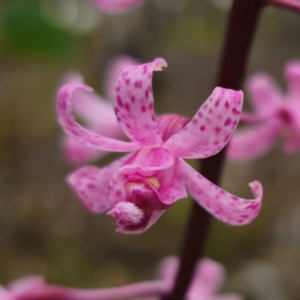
[211, 128]
[113, 7]
[208, 279]
[134, 103]
[80, 134]
[116, 66]
[249, 143]
[221, 204]
[91, 184]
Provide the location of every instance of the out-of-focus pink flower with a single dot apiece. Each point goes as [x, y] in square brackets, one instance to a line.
[274, 114]
[140, 186]
[113, 7]
[96, 112]
[207, 281]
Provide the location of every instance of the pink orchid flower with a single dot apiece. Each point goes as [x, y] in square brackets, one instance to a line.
[274, 114]
[138, 187]
[113, 7]
[89, 107]
[36, 288]
[207, 281]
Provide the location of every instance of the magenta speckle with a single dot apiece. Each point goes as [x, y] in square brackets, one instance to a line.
[226, 104]
[132, 99]
[235, 111]
[227, 122]
[218, 130]
[127, 106]
[202, 128]
[138, 84]
[119, 100]
[217, 103]
[150, 106]
[143, 109]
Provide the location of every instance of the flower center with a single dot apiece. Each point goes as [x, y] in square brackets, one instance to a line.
[144, 185]
[170, 124]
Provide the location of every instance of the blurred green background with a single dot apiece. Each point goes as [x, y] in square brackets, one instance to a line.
[43, 227]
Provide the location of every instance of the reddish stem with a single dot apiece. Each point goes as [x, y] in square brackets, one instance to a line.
[293, 5]
[242, 24]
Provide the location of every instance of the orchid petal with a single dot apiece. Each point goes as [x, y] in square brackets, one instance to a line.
[264, 94]
[80, 134]
[91, 184]
[94, 110]
[167, 271]
[5, 294]
[77, 153]
[211, 128]
[221, 204]
[292, 74]
[116, 66]
[249, 143]
[208, 279]
[113, 7]
[157, 163]
[27, 285]
[134, 103]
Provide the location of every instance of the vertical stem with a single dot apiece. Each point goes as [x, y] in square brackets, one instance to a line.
[241, 27]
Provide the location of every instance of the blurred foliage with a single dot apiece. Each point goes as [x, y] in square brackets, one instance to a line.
[26, 32]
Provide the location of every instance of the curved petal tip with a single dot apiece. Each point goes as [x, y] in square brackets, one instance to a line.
[159, 64]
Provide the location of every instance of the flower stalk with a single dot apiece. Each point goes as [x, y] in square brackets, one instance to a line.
[242, 24]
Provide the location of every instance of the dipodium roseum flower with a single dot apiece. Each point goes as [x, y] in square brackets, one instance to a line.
[140, 186]
[208, 279]
[113, 7]
[275, 114]
[96, 112]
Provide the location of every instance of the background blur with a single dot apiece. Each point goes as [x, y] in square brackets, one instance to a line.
[43, 227]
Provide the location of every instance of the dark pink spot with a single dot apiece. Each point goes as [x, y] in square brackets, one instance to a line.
[150, 106]
[146, 94]
[153, 118]
[202, 128]
[210, 111]
[128, 126]
[132, 99]
[205, 106]
[235, 111]
[217, 103]
[91, 186]
[218, 130]
[195, 122]
[143, 108]
[119, 100]
[127, 106]
[200, 114]
[235, 198]
[226, 137]
[127, 81]
[118, 88]
[227, 122]
[138, 84]
[227, 104]
[118, 193]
